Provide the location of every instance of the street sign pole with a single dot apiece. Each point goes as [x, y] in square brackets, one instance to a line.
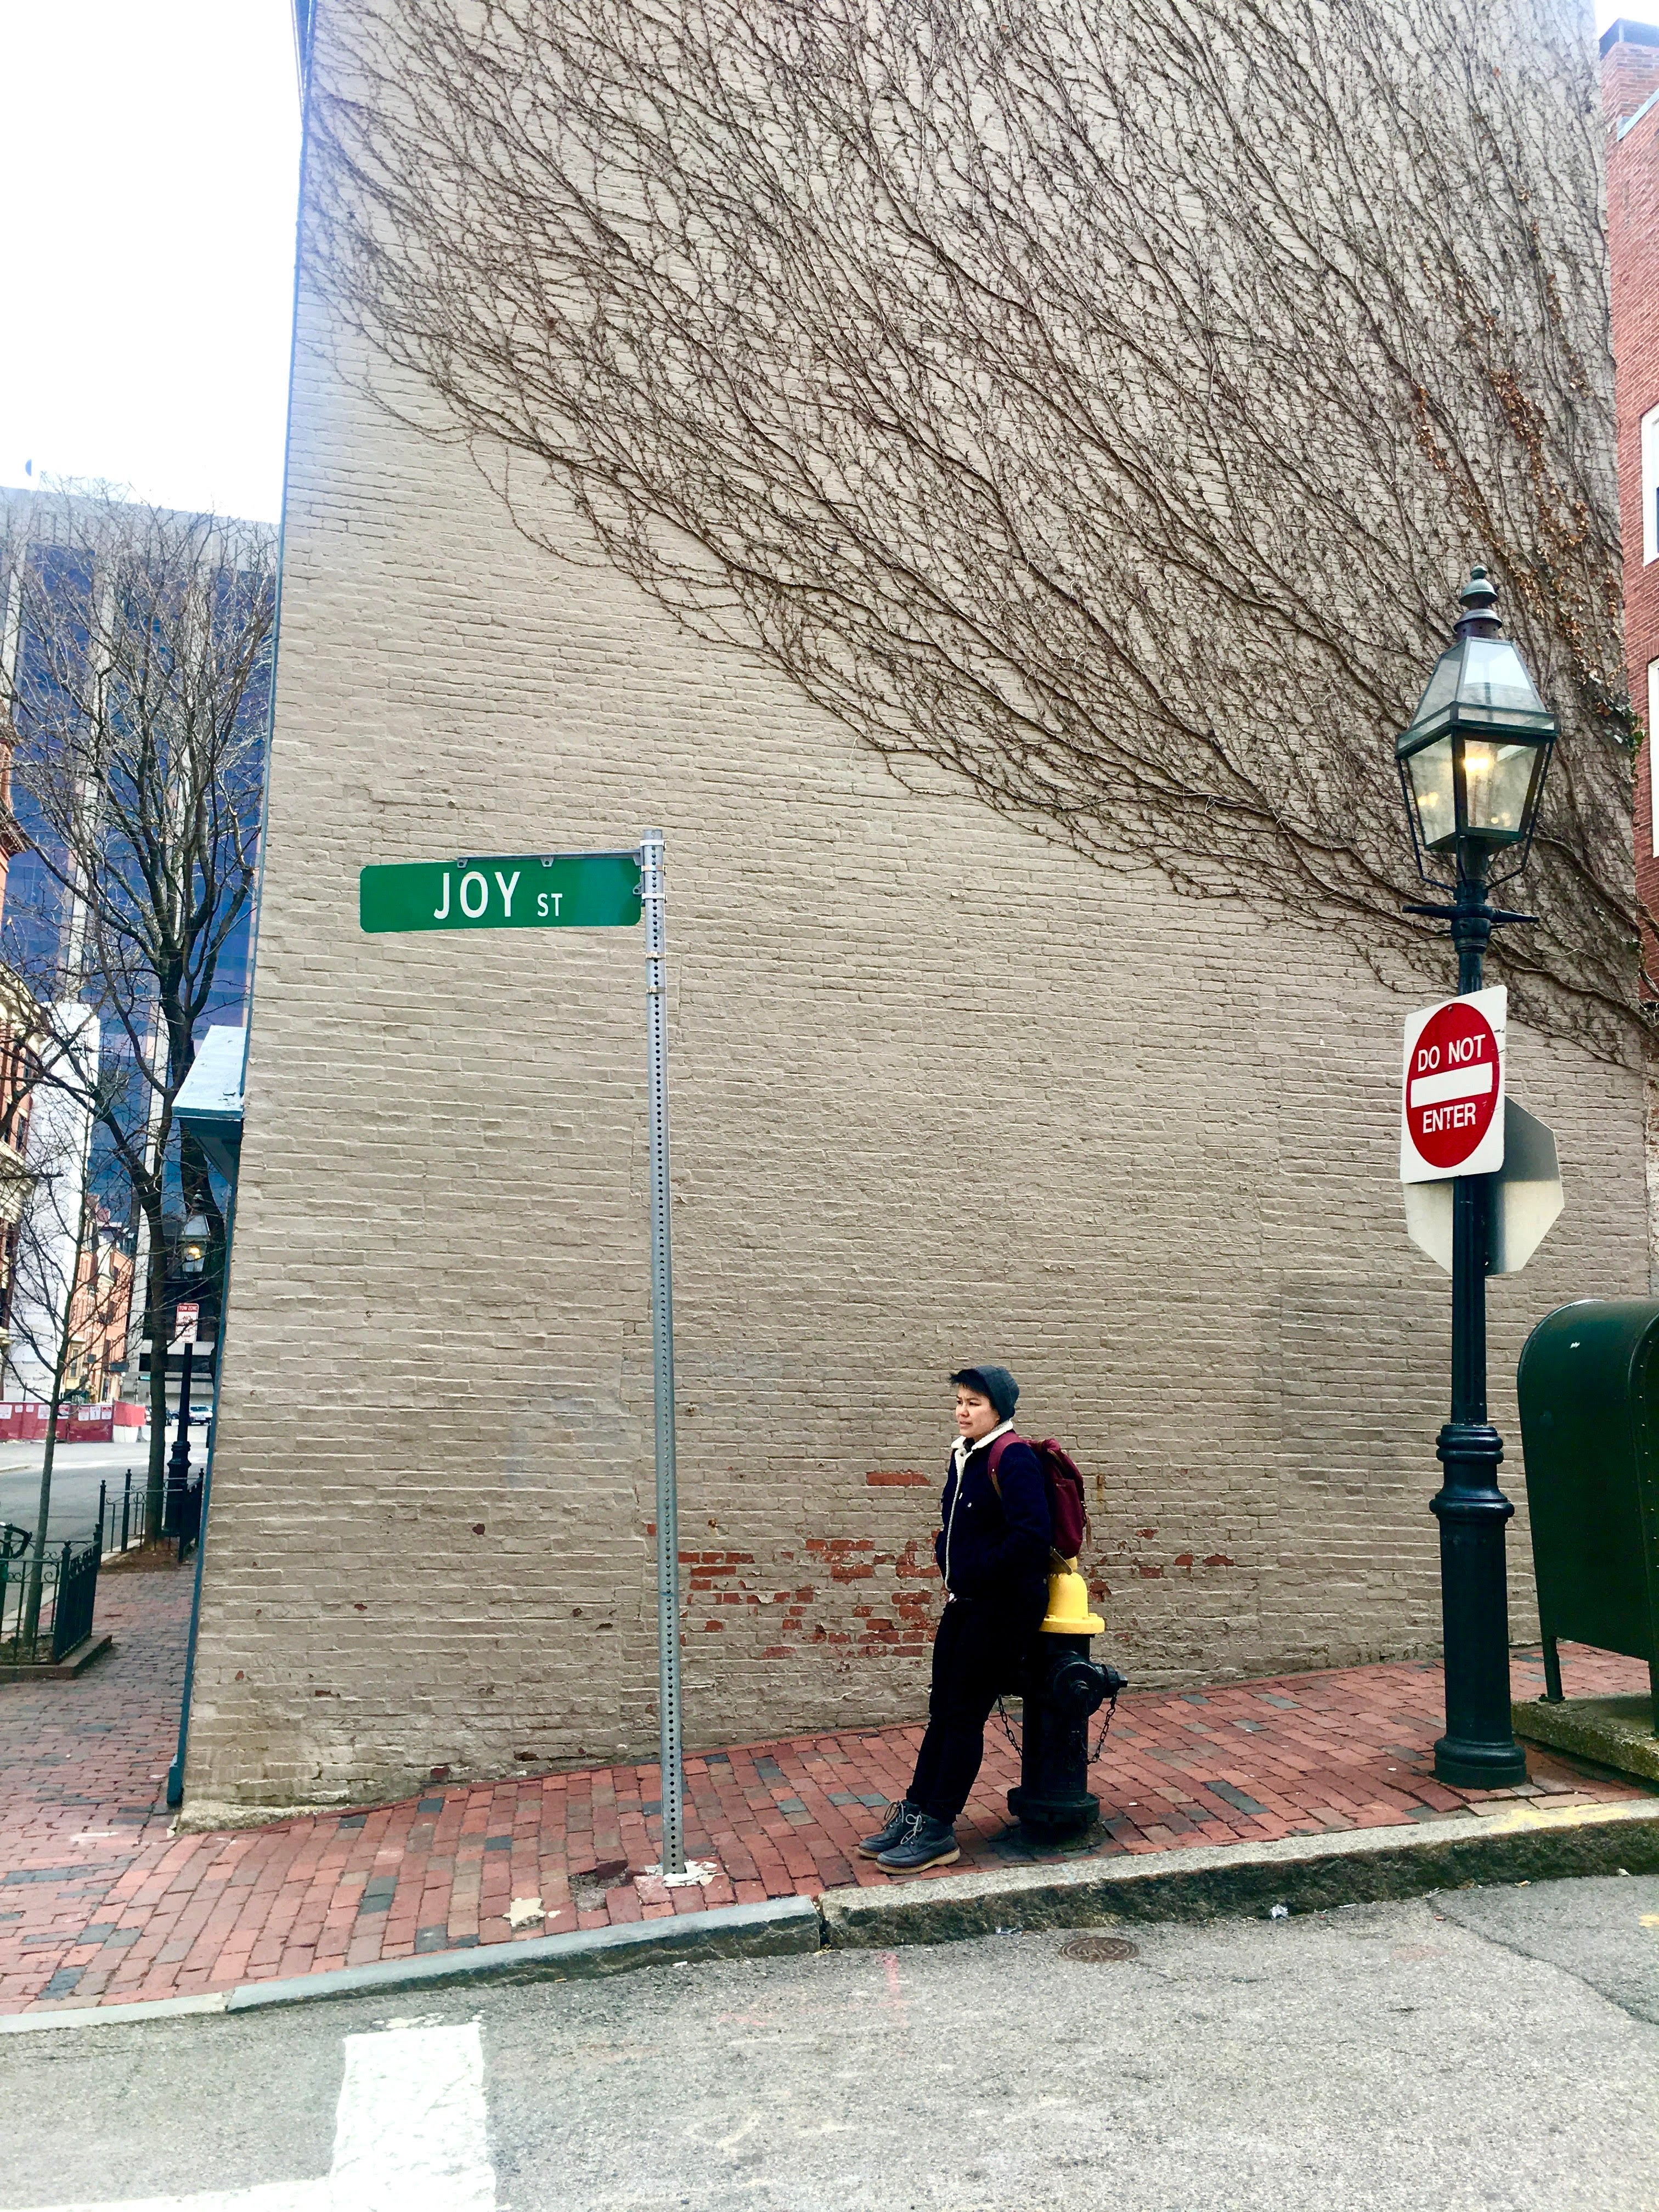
[585, 891]
[1452, 1113]
[654, 896]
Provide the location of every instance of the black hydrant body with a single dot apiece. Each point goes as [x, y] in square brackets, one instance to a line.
[1064, 1689]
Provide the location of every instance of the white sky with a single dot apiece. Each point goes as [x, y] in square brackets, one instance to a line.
[153, 147]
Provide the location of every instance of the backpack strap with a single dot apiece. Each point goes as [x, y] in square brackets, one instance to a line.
[997, 1448]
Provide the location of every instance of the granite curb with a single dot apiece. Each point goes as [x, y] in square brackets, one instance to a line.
[1307, 1873]
[65, 1669]
[772, 1929]
[1612, 1732]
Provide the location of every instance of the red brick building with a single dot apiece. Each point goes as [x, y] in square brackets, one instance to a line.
[1629, 95]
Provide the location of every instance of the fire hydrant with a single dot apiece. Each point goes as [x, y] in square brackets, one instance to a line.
[1064, 1689]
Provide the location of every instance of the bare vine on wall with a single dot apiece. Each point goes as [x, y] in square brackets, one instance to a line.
[1102, 405]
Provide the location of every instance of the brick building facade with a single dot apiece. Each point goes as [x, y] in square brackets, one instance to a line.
[1630, 93]
[941, 1090]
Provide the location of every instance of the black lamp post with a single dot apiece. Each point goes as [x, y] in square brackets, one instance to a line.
[1471, 766]
[193, 1262]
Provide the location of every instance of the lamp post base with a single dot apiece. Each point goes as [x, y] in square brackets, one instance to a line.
[1468, 1764]
[1478, 1750]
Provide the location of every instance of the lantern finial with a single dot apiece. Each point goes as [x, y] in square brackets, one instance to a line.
[1479, 600]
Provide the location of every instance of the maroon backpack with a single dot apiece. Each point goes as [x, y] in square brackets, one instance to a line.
[1067, 1511]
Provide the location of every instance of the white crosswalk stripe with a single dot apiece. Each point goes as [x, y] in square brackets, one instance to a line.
[410, 2136]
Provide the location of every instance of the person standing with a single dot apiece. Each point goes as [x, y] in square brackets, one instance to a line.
[993, 1549]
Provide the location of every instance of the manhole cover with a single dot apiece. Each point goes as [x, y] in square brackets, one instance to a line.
[1098, 1950]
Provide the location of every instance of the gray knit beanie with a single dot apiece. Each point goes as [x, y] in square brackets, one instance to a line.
[995, 1383]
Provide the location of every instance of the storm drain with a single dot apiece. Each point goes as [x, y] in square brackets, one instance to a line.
[1098, 1950]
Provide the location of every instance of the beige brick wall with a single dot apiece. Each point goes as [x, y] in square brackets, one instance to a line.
[939, 1091]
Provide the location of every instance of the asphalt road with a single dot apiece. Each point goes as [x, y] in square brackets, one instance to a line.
[76, 1472]
[1494, 2049]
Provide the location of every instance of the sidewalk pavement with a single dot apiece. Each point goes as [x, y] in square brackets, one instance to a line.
[101, 1904]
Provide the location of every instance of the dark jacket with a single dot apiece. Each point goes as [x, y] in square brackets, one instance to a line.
[992, 1551]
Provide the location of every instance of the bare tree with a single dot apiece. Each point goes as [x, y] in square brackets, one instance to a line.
[57, 1229]
[137, 703]
[1102, 405]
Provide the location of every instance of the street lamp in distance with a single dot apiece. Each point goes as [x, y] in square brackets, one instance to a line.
[193, 1244]
[1472, 762]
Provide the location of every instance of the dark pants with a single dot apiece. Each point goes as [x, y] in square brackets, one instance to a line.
[976, 1657]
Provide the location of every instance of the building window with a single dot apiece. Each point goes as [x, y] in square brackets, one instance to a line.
[1650, 485]
[1653, 725]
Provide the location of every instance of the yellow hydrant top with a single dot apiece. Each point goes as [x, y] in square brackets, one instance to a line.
[1068, 1605]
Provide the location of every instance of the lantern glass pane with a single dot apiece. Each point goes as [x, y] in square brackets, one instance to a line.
[1440, 690]
[1495, 675]
[1435, 795]
[1497, 782]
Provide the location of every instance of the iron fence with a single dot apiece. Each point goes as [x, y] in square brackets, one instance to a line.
[77, 1595]
[125, 1515]
[33, 1630]
[128, 1522]
[50, 1629]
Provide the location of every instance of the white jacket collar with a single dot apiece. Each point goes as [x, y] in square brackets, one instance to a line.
[961, 1447]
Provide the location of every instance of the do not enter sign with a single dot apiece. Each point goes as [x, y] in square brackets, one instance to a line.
[1452, 1102]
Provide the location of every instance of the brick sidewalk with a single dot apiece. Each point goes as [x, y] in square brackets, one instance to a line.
[84, 1766]
[100, 1904]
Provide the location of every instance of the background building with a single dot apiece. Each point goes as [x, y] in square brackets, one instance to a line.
[942, 1088]
[20, 1013]
[98, 1322]
[58, 1229]
[1630, 92]
[38, 922]
[18, 1018]
[46, 938]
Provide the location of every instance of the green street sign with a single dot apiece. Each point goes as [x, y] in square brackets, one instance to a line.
[534, 890]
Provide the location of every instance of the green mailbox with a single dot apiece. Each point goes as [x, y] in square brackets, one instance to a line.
[1589, 1387]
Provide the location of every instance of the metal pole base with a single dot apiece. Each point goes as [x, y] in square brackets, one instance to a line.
[1478, 1750]
[1055, 1816]
[1468, 1764]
